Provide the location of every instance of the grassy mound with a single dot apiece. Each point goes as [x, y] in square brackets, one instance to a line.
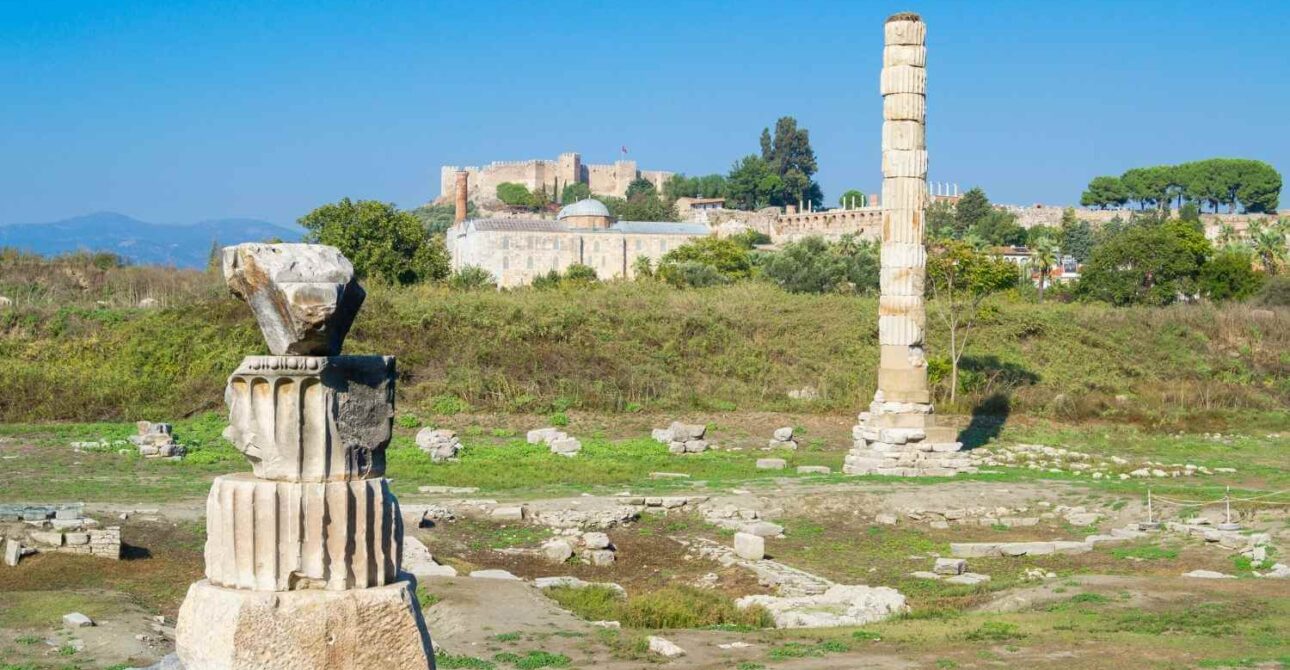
[630, 346]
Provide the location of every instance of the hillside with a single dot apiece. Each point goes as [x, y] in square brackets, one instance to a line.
[182, 246]
[622, 347]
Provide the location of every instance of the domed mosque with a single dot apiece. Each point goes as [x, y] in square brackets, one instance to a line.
[516, 251]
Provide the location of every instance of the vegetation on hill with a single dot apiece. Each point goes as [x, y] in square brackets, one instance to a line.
[624, 346]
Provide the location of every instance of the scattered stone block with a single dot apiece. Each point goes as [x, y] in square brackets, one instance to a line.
[750, 547]
[764, 529]
[48, 538]
[441, 444]
[968, 579]
[771, 464]
[542, 435]
[493, 574]
[76, 538]
[885, 519]
[950, 566]
[77, 620]
[557, 550]
[974, 549]
[923, 574]
[595, 540]
[600, 557]
[12, 552]
[508, 513]
[664, 648]
[1207, 574]
[838, 605]
[814, 470]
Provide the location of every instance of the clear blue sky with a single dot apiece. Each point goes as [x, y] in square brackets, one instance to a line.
[175, 111]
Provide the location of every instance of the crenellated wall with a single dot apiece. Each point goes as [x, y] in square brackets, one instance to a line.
[552, 175]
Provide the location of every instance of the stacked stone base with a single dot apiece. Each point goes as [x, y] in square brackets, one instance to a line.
[905, 440]
[357, 629]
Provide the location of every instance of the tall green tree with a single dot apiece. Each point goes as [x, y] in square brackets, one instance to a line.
[959, 279]
[1076, 236]
[1140, 264]
[574, 192]
[789, 155]
[752, 184]
[1043, 257]
[1268, 241]
[382, 242]
[971, 209]
[641, 187]
[853, 198]
[1230, 275]
[514, 195]
[1104, 192]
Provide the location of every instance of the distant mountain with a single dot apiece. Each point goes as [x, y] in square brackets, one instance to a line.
[141, 242]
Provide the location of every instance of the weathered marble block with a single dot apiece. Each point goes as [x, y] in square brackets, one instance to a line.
[312, 418]
[288, 536]
[304, 296]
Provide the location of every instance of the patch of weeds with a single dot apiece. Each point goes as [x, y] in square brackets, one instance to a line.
[1119, 505]
[1148, 552]
[426, 598]
[534, 660]
[559, 419]
[1246, 662]
[995, 631]
[27, 639]
[67, 650]
[802, 650]
[1208, 619]
[749, 665]
[946, 663]
[408, 420]
[503, 432]
[506, 637]
[1000, 527]
[865, 635]
[1242, 563]
[451, 661]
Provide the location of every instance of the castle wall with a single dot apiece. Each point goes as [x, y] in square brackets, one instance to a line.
[568, 168]
[516, 258]
[863, 223]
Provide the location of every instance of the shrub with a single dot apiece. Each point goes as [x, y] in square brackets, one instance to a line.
[813, 265]
[1275, 292]
[691, 274]
[727, 257]
[1229, 275]
[514, 195]
[471, 278]
[670, 607]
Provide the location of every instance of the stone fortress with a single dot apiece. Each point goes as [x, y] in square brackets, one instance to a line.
[551, 176]
[518, 250]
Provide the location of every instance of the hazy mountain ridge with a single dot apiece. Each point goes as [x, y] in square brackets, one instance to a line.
[141, 242]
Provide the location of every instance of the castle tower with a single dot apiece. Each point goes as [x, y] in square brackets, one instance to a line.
[899, 435]
[462, 188]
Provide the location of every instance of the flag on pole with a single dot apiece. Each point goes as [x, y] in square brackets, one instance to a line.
[624, 148]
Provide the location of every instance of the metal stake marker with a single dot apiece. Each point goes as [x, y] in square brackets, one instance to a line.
[1227, 504]
[1150, 523]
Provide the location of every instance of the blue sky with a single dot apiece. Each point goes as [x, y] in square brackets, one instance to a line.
[177, 111]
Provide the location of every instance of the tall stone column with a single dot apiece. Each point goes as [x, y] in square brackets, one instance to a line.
[463, 185]
[303, 554]
[899, 435]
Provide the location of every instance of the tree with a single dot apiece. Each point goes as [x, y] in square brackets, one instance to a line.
[1076, 237]
[1043, 256]
[643, 268]
[790, 156]
[812, 265]
[472, 278]
[640, 187]
[1104, 192]
[1230, 275]
[1036, 233]
[971, 209]
[852, 199]
[752, 184]
[941, 221]
[1269, 243]
[641, 206]
[1148, 186]
[960, 278]
[574, 192]
[436, 219]
[726, 257]
[706, 186]
[1000, 228]
[1139, 264]
[514, 195]
[382, 242]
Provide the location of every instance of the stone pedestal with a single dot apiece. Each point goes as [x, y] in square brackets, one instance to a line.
[899, 434]
[358, 629]
[303, 556]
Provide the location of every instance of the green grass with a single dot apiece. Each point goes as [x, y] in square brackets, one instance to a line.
[533, 660]
[669, 607]
[1147, 552]
[791, 650]
[453, 662]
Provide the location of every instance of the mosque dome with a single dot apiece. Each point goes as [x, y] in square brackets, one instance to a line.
[587, 207]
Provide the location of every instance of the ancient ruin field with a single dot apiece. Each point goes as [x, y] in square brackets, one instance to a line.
[1123, 601]
[1070, 414]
